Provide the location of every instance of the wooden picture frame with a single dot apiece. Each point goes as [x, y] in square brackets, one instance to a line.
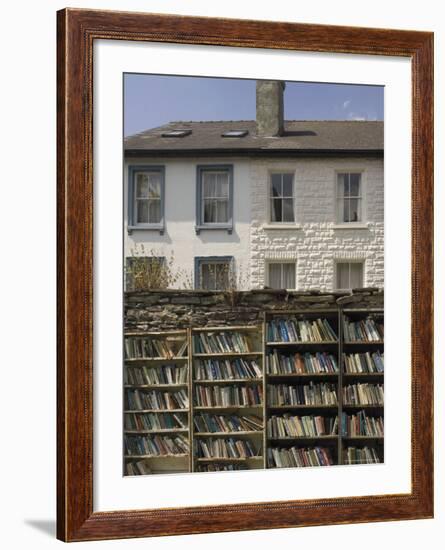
[77, 31]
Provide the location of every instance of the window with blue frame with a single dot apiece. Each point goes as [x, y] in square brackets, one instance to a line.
[214, 273]
[214, 197]
[146, 197]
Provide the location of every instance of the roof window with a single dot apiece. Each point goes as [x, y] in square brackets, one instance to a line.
[176, 133]
[235, 133]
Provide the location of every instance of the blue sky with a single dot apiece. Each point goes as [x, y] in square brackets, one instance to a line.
[153, 100]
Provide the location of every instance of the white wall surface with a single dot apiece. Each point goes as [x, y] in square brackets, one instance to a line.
[180, 237]
[28, 274]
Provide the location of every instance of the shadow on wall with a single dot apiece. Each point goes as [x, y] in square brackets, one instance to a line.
[46, 526]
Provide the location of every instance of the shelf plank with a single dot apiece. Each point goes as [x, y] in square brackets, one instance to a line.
[303, 375]
[228, 354]
[182, 455]
[284, 407]
[154, 360]
[305, 437]
[360, 406]
[228, 434]
[353, 374]
[218, 459]
[156, 386]
[226, 407]
[165, 431]
[273, 467]
[298, 343]
[138, 411]
[363, 342]
[363, 437]
[229, 381]
[376, 311]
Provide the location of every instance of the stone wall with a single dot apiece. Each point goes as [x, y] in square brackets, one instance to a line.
[173, 309]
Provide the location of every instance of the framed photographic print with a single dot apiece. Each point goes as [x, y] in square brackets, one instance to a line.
[244, 275]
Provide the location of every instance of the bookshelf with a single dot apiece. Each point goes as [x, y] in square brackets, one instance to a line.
[367, 351]
[228, 373]
[156, 402]
[245, 397]
[304, 374]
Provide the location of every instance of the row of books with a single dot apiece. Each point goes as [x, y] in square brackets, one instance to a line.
[225, 448]
[215, 423]
[361, 455]
[363, 362]
[307, 394]
[226, 396]
[366, 330]
[222, 342]
[156, 400]
[307, 363]
[157, 445]
[301, 426]
[137, 468]
[144, 347]
[277, 363]
[363, 394]
[215, 467]
[297, 457]
[362, 424]
[156, 421]
[295, 330]
[218, 369]
[167, 374]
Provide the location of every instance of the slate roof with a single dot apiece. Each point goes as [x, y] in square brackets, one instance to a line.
[300, 137]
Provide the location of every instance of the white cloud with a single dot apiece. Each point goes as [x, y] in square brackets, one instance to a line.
[356, 116]
[346, 103]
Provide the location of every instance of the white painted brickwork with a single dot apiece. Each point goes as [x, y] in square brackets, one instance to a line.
[315, 244]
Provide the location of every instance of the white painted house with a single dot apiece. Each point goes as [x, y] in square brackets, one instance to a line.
[285, 204]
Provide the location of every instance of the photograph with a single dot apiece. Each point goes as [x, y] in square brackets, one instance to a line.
[253, 280]
[244, 231]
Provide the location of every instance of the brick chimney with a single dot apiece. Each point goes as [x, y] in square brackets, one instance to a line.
[269, 108]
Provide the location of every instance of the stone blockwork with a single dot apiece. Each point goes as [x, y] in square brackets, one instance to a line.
[173, 309]
[316, 242]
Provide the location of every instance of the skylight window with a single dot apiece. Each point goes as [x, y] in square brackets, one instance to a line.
[177, 133]
[235, 133]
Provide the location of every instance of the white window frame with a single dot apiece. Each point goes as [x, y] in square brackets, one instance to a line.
[281, 262]
[269, 197]
[362, 223]
[349, 262]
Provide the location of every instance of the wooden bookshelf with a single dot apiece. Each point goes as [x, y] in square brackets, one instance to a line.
[376, 443]
[174, 355]
[251, 351]
[259, 351]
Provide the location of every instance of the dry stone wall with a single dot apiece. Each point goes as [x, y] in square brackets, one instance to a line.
[173, 309]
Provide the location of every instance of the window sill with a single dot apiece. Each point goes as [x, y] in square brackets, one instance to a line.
[281, 226]
[155, 227]
[214, 227]
[351, 225]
